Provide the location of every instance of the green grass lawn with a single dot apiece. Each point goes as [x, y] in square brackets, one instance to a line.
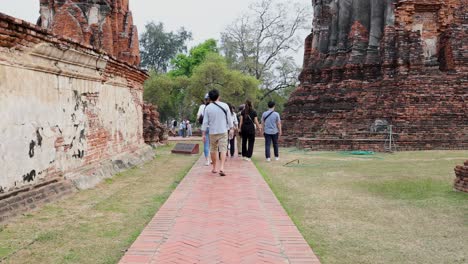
[384, 208]
[96, 225]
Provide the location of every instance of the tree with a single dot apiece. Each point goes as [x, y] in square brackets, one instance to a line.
[168, 93]
[214, 73]
[260, 43]
[159, 47]
[183, 65]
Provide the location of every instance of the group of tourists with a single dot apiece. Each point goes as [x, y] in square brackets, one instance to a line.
[184, 129]
[222, 126]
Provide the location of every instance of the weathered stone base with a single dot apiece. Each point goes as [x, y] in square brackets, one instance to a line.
[27, 198]
[461, 181]
[32, 197]
[371, 143]
[89, 176]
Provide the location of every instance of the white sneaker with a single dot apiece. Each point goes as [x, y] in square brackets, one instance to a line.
[276, 158]
[268, 160]
[247, 159]
[207, 163]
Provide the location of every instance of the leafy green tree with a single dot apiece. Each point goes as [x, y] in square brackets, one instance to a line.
[214, 73]
[168, 93]
[158, 47]
[183, 65]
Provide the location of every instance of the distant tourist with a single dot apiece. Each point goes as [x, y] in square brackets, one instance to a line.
[174, 126]
[189, 128]
[232, 144]
[200, 116]
[238, 134]
[218, 119]
[182, 129]
[248, 125]
[271, 130]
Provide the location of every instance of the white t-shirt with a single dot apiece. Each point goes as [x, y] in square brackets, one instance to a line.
[200, 110]
[218, 120]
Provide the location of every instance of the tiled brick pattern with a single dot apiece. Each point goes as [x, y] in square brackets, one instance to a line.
[106, 25]
[213, 219]
[423, 95]
[461, 180]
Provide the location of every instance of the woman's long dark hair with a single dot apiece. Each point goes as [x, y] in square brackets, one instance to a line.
[248, 107]
[230, 107]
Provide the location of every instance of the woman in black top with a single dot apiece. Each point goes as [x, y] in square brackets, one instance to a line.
[248, 120]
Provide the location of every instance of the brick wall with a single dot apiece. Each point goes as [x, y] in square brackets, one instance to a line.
[71, 114]
[416, 81]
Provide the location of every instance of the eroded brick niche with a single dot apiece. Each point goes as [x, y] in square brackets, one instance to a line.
[369, 65]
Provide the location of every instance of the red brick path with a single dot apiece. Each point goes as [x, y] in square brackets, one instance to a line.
[213, 219]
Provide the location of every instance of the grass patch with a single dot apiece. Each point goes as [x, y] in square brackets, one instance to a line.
[97, 225]
[47, 236]
[409, 189]
[384, 208]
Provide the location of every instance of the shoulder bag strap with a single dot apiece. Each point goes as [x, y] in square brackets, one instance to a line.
[264, 119]
[224, 110]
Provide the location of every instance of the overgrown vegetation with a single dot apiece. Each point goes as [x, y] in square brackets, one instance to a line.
[386, 208]
[97, 225]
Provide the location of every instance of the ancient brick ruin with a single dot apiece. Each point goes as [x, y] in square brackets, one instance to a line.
[461, 180]
[153, 131]
[71, 104]
[102, 24]
[372, 64]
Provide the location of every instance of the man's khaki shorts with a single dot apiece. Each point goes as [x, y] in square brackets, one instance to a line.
[218, 142]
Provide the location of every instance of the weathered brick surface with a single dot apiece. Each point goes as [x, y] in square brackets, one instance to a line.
[106, 25]
[22, 200]
[153, 131]
[70, 111]
[461, 180]
[415, 79]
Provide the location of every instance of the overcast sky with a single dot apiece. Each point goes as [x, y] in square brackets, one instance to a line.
[204, 18]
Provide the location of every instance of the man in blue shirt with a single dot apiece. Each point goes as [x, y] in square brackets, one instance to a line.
[217, 117]
[272, 130]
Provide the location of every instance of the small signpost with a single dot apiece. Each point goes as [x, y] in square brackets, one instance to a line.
[186, 148]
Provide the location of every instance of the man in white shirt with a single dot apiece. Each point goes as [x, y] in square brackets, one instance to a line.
[206, 144]
[218, 119]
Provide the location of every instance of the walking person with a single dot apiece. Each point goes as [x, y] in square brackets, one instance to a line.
[271, 122]
[238, 134]
[248, 123]
[189, 128]
[218, 119]
[232, 145]
[200, 117]
[181, 129]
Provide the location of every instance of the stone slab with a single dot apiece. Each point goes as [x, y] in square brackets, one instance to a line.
[186, 148]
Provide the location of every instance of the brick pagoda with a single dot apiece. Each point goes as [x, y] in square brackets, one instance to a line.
[370, 64]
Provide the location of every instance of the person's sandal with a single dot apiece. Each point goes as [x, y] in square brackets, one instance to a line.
[221, 173]
[214, 171]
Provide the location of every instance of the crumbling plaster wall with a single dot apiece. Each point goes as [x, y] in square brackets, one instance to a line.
[64, 107]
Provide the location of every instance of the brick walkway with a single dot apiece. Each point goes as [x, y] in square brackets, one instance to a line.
[213, 219]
